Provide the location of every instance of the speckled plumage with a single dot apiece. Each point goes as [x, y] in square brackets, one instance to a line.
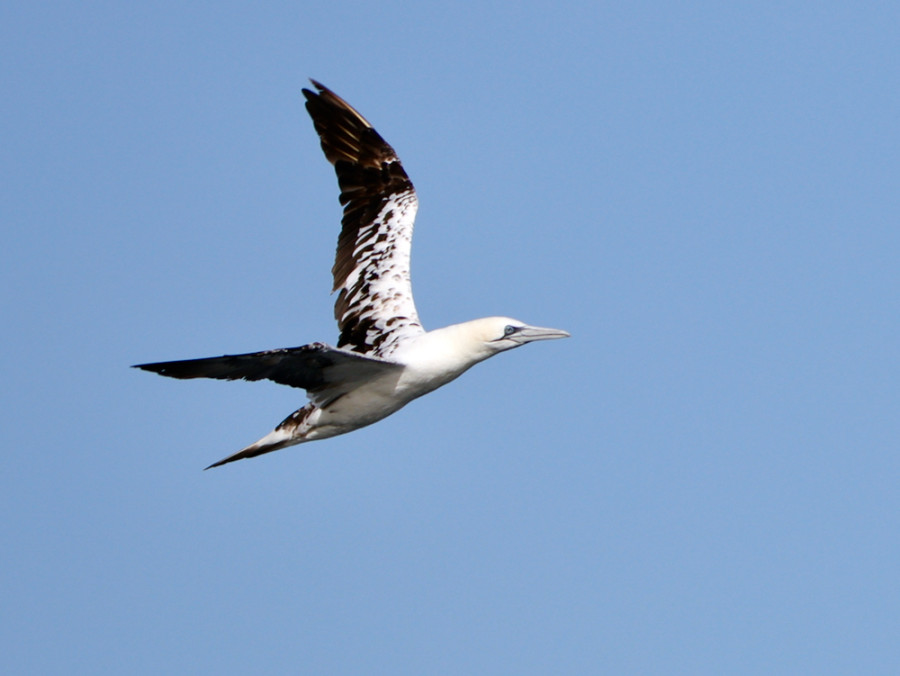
[384, 359]
[374, 308]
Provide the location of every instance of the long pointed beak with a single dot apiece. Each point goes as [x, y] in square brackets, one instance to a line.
[528, 334]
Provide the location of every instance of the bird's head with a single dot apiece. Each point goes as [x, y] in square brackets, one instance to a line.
[503, 333]
[454, 349]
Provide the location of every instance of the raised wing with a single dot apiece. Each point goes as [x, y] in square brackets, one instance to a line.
[324, 372]
[374, 309]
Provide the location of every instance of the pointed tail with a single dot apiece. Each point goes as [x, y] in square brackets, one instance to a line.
[273, 441]
[292, 430]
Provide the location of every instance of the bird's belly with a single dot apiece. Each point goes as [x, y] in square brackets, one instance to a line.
[360, 408]
[376, 400]
[372, 402]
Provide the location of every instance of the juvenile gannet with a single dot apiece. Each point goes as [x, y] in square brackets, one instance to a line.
[384, 358]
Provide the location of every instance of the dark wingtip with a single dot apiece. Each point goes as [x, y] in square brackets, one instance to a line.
[309, 94]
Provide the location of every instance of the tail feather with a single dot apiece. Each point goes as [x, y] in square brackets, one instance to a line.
[273, 441]
[290, 431]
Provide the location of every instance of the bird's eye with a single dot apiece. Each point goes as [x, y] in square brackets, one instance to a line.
[509, 330]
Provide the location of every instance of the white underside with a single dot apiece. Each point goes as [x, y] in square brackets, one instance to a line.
[430, 360]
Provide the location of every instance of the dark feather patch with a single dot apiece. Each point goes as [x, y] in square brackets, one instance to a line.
[379, 208]
[312, 367]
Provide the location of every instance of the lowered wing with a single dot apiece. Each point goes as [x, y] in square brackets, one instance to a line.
[325, 372]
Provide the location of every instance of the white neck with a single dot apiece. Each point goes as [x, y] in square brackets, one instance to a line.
[450, 350]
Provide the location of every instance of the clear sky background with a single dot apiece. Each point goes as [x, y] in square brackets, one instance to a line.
[704, 479]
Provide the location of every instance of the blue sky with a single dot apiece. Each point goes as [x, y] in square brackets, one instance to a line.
[702, 480]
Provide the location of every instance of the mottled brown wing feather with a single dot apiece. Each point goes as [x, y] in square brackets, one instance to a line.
[374, 308]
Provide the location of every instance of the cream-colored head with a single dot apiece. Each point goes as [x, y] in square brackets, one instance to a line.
[504, 333]
[471, 342]
[439, 356]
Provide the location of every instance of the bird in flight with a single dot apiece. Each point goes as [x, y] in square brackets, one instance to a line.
[384, 358]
